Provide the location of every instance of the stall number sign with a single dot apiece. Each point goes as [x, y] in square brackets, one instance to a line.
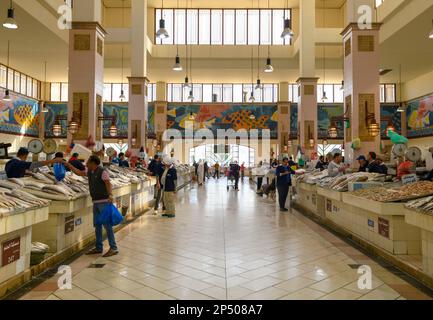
[383, 227]
[69, 224]
[409, 179]
[11, 251]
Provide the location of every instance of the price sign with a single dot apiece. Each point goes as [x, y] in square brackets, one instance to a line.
[409, 179]
[11, 251]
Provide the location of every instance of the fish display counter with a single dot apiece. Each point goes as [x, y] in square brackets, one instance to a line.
[419, 213]
[184, 175]
[19, 213]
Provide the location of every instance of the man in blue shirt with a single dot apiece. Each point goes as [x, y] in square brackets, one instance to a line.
[374, 166]
[284, 182]
[18, 166]
[123, 163]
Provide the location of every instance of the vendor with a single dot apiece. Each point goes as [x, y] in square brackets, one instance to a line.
[404, 168]
[382, 165]
[321, 164]
[76, 163]
[123, 163]
[363, 163]
[336, 167]
[374, 165]
[18, 166]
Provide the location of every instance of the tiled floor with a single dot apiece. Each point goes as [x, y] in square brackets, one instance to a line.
[227, 245]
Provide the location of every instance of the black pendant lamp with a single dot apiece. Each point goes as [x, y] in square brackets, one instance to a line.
[10, 22]
[7, 96]
[162, 32]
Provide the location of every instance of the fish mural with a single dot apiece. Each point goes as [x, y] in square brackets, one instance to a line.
[223, 116]
[54, 110]
[325, 112]
[19, 116]
[389, 112]
[420, 117]
[121, 113]
[151, 118]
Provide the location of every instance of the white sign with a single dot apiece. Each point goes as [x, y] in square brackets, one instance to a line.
[409, 179]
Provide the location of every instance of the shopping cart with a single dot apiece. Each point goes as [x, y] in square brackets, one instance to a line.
[231, 181]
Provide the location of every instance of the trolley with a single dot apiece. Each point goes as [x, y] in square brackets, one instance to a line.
[231, 181]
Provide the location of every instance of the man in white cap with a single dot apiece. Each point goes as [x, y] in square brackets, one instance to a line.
[168, 186]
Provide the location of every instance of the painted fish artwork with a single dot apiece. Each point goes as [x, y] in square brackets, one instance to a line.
[325, 113]
[121, 113]
[19, 116]
[389, 115]
[223, 116]
[420, 117]
[54, 110]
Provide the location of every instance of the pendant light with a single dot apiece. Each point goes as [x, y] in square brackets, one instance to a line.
[177, 66]
[400, 107]
[162, 32]
[44, 109]
[252, 99]
[268, 67]
[122, 93]
[186, 83]
[431, 33]
[324, 97]
[7, 96]
[259, 84]
[10, 22]
[287, 32]
[191, 92]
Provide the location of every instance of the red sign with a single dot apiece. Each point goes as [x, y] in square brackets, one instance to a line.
[11, 251]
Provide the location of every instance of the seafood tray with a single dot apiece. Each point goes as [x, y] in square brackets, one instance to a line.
[424, 205]
[397, 194]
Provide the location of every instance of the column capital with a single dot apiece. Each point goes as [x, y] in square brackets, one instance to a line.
[84, 25]
[143, 80]
[306, 79]
[355, 27]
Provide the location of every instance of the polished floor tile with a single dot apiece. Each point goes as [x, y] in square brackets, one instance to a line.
[227, 245]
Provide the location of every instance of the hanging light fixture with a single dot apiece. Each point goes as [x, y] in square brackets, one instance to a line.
[268, 67]
[7, 96]
[57, 128]
[431, 33]
[191, 96]
[401, 106]
[287, 32]
[162, 32]
[324, 97]
[10, 22]
[177, 66]
[122, 93]
[191, 116]
[252, 99]
[43, 107]
[325, 142]
[259, 84]
[112, 130]
[252, 116]
[342, 86]
[333, 132]
[186, 84]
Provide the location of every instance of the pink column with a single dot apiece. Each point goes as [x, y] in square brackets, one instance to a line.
[307, 114]
[361, 87]
[86, 79]
[137, 113]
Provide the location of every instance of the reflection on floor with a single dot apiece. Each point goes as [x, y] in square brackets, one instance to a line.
[227, 245]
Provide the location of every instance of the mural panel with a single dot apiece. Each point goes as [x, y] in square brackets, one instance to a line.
[19, 116]
[120, 110]
[389, 115]
[224, 116]
[419, 114]
[54, 110]
[325, 113]
[294, 120]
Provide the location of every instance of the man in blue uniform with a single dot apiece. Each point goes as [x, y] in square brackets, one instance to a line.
[18, 166]
[284, 182]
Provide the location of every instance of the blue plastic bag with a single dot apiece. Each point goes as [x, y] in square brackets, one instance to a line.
[59, 171]
[109, 216]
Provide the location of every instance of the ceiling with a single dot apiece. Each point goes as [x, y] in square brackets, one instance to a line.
[223, 3]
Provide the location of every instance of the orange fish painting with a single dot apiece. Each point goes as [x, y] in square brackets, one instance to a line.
[242, 120]
[207, 113]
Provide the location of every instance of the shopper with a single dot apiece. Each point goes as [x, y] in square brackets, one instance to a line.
[235, 172]
[321, 164]
[217, 170]
[123, 163]
[101, 192]
[76, 163]
[159, 170]
[259, 177]
[200, 173]
[206, 170]
[373, 165]
[18, 166]
[242, 171]
[336, 167]
[284, 183]
[168, 186]
[363, 163]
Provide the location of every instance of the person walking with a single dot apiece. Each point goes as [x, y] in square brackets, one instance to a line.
[101, 192]
[200, 173]
[217, 170]
[284, 182]
[242, 171]
[168, 186]
[234, 171]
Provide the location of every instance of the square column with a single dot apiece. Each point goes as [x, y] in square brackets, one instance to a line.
[86, 80]
[137, 113]
[362, 87]
[283, 118]
[307, 114]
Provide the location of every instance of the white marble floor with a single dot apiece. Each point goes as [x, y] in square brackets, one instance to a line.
[227, 245]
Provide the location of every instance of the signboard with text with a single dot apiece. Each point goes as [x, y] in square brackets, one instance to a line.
[11, 251]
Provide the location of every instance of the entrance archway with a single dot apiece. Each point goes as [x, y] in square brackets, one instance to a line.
[223, 154]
